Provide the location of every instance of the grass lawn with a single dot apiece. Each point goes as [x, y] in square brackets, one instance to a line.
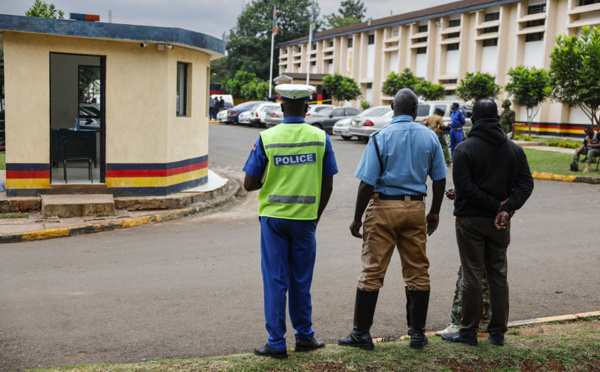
[2, 161]
[557, 163]
[566, 346]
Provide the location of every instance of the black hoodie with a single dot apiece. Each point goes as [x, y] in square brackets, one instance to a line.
[487, 169]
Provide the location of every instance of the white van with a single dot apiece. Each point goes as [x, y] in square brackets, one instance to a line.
[226, 97]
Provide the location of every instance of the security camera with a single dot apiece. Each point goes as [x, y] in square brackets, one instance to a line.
[169, 46]
[143, 45]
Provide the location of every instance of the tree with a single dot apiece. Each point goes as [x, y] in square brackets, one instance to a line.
[218, 70]
[234, 85]
[394, 82]
[429, 91]
[477, 86]
[529, 87]
[249, 42]
[342, 88]
[262, 90]
[575, 72]
[42, 10]
[351, 12]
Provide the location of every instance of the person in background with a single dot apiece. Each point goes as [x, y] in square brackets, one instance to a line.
[436, 123]
[457, 120]
[507, 119]
[590, 148]
[293, 165]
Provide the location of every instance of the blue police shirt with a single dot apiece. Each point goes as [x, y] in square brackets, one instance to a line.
[409, 153]
[457, 120]
[257, 161]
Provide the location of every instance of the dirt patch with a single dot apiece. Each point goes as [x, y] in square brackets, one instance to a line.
[551, 364]
[477, 366]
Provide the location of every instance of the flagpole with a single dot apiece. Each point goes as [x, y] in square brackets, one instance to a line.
[308, 65]
[272, 47]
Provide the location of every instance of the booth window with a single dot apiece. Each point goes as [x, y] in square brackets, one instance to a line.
[182, 88]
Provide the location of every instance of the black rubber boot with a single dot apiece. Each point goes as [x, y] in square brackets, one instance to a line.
[417, 303]
[364, 309]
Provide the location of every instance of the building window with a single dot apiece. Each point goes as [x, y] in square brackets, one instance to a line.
[314, 46]
[423, 28]
[453, 35]
[182, 84]
[422, 40]
[395, 31]
[538, 36]
[537, 22]
[489, 30]
[588, 2]
[331, 43]
[350, 42]
[299, 49]
[492, 16]
[535, 9]
[371, 39]
[453, 46]
[490, 42]
[422, 50]
[454, 23]
[313, 63]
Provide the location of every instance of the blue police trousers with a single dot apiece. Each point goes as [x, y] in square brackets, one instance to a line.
[288, 251]
[456, 137]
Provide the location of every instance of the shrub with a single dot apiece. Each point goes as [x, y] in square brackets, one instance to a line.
[564, 144]
[365, 104]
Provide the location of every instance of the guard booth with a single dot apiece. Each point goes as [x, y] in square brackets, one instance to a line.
[104, 108]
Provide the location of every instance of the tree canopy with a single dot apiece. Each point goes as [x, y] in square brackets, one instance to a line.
[249, 42]
[575, 72]
[529, 87]
[42, 10]
[342, 88]
[350, 12]
[429, 91]
[477, 86]
[394, 82]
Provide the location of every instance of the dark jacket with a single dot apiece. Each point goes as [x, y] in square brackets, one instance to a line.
[487, 169]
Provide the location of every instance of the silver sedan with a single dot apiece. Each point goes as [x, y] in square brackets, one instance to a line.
[370, 121]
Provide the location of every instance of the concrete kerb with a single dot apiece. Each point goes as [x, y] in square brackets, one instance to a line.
[231, 191]
[522, 323]
[560, 177]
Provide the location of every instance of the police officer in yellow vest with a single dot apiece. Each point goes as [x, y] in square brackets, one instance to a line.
[293, 166]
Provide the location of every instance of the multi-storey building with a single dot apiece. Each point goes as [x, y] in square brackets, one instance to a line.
[441, 44]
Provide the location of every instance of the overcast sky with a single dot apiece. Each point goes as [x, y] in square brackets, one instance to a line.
[212, 17]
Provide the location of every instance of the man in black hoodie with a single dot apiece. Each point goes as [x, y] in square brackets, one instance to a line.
[491, 180]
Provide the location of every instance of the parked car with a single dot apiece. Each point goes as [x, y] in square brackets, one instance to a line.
[273, 116]
[314, 109]
[426, 109]
[89, 116]
[245, 118]
[234, 113]
[341, 128]
[222, 116]
[370, 121]
[258, 115]
[326, 118]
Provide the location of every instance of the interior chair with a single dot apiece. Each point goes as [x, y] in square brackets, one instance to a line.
[77, 150]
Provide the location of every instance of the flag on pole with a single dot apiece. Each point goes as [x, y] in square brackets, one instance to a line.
[275, 29]
[314, 25]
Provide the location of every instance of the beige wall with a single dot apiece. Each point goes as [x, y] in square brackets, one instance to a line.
[141, 125]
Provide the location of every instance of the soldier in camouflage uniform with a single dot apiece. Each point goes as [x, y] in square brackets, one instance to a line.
[507, 119]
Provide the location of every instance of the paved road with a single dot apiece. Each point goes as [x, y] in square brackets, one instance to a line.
[192, 287]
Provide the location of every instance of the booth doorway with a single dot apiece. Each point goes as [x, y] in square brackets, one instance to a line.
[77, 119]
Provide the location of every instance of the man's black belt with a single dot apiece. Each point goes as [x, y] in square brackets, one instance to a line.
[399, 197]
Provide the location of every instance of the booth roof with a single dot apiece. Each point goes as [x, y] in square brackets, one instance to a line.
[114, 31]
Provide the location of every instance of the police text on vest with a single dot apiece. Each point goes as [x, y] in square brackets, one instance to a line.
[295, 159]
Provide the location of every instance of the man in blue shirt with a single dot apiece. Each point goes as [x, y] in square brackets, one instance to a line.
[457, 120]
[393, 173]
[293, 164]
